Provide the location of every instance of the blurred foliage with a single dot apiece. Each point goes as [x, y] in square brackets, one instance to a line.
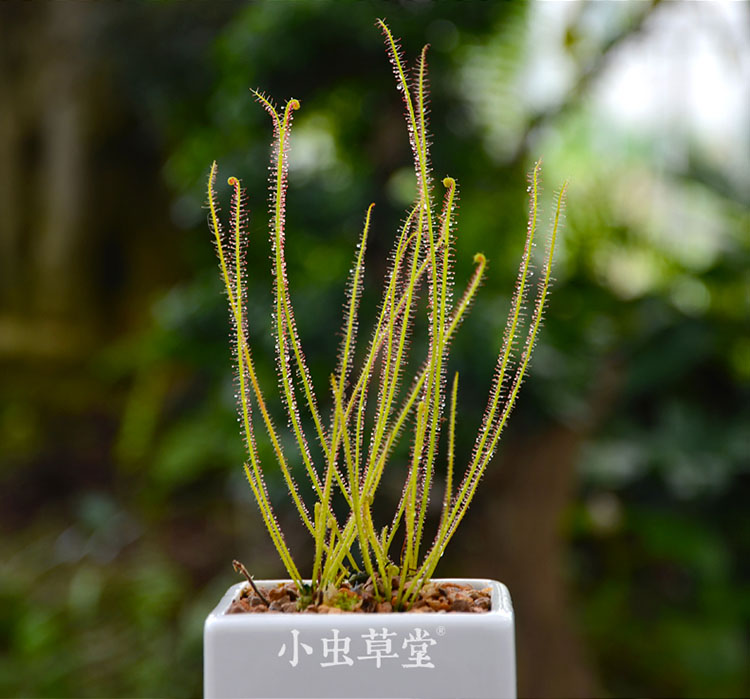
[122, 500]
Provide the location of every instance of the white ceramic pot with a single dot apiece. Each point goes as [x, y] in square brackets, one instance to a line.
[430, 656]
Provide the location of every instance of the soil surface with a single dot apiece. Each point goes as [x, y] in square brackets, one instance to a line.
[360, 599]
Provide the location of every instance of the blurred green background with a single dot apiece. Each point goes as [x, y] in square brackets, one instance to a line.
[616, 510]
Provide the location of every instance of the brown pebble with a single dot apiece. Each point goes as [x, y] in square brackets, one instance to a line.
[461, 604]
[275, 593]
[384, 608]
[238, 607]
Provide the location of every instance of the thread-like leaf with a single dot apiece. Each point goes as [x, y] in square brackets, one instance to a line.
[354, 292]
[245, 365]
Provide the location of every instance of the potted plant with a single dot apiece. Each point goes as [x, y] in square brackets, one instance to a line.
[370, 620]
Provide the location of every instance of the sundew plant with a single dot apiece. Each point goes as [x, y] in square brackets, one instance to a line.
[376, 404]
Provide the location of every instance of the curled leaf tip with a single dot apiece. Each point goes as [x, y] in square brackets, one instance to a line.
[480, 259]
[233, 181]
[449, 182]
[294, 104]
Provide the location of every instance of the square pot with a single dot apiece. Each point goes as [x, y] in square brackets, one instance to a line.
[451, 655]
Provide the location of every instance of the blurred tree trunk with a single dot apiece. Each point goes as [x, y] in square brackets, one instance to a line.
[528, 553]
[57, 260]
[84, 216]
[523, 502]
[43, 152]
[11, 121]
